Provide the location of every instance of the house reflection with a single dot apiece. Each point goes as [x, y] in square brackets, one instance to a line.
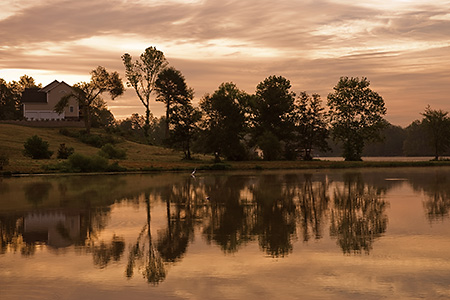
[55, 228]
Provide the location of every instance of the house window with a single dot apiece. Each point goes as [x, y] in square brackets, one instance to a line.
[71, 109]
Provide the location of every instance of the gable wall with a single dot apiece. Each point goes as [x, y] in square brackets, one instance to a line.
[46, 110]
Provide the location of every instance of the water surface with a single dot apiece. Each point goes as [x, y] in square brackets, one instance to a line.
[359, 234]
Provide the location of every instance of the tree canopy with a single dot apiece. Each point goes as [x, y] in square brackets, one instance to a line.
[356, 115]
[225, 121]
[172, 90]
[142, 74]
[437, 125]
[272, 108]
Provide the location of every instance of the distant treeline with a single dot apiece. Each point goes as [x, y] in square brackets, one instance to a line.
[412, 140]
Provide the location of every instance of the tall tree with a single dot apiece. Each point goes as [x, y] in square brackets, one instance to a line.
[142, 74]
[225, 122]
[273, 105]
[11, 94]
[172, 89]
[184, 124]
[356, 115]
[311, 124]
[437, 125]
[86, 93]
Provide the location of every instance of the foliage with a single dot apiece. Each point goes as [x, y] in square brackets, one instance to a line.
[310, 125]
[224, 122]
[416, 141]
[87, 93]
[172, 90]
[184, 124]
[101, 116]
[4, 160]
[142, 74]
[394, 138]
[356, 115]
[36, 148]
[271, 111]
[10, 97]
[270, 145]
[110, 151]
[95, 140]
[64, 152]
[83, 163]
[437, 125]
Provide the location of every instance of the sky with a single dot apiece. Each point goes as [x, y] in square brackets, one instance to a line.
[401, 46]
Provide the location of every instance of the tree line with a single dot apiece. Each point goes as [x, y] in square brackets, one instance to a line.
[273, 123]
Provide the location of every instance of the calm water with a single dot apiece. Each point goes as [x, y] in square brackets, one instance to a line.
[363, 234]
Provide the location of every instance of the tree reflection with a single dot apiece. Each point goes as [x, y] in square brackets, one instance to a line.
[144, 256]
[173, 241]
[437, 190]
[104, 253]
[358, 216]
[37, 192]
[275, 216]
[229, 224]
[313, 206]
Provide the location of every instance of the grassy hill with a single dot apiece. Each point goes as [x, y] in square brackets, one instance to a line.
[139, 156]
[146, 158]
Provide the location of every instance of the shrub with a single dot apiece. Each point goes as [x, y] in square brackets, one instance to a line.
[64, 152]
[98, 140]
[4, 160]
[109, 151]
[36, 148]
[83, 163]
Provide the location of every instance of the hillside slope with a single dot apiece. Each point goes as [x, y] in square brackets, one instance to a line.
[139, 156]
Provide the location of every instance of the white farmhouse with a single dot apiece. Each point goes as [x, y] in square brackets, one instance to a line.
[39, 103]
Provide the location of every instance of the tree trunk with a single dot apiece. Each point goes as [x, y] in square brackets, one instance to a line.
[147, 122]
[87, 119]
[167, 120]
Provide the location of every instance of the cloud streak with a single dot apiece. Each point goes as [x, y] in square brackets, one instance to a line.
[401, 46]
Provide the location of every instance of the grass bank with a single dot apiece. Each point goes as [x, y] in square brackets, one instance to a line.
[142, 158]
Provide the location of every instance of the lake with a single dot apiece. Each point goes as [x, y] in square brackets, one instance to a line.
[328, 234]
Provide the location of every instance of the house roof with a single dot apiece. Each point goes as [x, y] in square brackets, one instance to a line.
[50, 86]
[39, 95]
[34, 95]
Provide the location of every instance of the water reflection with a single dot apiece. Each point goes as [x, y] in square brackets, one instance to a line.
[272, 210]
[437, 190]
[359, 214]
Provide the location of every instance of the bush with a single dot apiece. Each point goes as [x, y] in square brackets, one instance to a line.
[82, 163]
[36, 148]
[4, 160]
[109, 151]
[64, 152]
[98, 140]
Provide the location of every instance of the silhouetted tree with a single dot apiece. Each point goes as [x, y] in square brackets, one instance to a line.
[101, 116]
[142, 74]
[310, 125]
[184, 123]
[356, 115]
[11, 94]
[86, 93]
[416, 142]
[392, 144]
[437, 124]
[225, 122]
[172, 89]
[272, 108]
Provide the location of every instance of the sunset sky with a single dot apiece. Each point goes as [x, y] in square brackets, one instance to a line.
[401, 46]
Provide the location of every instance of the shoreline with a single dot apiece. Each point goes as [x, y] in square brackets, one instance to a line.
[162, 167]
